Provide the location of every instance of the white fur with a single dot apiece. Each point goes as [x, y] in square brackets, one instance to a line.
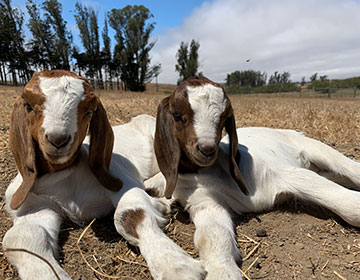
[273, 162]
[207, 103]
[62, 96]
[77, 194]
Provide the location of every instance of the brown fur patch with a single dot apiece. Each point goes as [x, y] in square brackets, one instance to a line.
[27, 137]
[130, 219]
[152, 192]
[176, 140]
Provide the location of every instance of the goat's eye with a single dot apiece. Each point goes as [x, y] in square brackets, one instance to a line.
[28, 108]
[177, 117]
[89, 113]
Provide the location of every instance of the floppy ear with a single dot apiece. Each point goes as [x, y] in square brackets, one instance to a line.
[166, 146]
[100, 152]
[22, 147]
[234, 155]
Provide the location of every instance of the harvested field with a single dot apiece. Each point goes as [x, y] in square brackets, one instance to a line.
[301, 241]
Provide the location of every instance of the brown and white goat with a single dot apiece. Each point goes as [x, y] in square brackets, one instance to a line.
[64, 173]
[213, 178]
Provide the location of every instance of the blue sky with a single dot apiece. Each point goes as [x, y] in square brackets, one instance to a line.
[167, 14]
[302, 37]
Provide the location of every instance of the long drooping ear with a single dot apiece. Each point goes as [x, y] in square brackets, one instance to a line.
[101, 145]
[166, 146]
[234, 155]
[22, 147]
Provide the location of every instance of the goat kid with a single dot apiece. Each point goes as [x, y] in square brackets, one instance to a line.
[213, 178]
[63, 173]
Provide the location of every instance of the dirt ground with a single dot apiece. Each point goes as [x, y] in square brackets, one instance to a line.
[295, 241]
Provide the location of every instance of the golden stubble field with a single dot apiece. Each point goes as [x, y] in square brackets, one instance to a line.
[302, 241]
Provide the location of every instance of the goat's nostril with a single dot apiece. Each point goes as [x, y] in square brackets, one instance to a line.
[58, 140]
[207, 149]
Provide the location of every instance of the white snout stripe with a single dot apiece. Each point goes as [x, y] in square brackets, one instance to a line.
[208, 103]
[62, 97]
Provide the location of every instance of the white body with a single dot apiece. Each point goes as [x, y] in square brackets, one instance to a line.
[76, 193]
[273, 162]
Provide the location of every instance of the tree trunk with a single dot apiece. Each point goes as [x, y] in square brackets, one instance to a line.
[100, 79]
[13, 73]
[1, 73]
[5, 74]
[111, 81]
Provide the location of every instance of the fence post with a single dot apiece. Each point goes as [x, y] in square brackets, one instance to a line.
[354, 92]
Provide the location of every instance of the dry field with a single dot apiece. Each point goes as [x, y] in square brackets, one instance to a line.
[301, 242]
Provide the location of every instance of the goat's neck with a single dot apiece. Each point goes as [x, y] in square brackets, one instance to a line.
[186, 165]
[45, 166]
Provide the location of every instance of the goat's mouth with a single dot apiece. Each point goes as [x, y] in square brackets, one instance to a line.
[57, 156]
[203, 159]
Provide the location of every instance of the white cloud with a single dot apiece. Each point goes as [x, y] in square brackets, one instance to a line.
[302, 37]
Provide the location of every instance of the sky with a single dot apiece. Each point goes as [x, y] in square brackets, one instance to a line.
[302, 37]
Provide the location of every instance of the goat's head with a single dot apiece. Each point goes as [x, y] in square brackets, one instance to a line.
[50, 121]
[188, 131]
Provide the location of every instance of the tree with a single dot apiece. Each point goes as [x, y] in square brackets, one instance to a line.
[187, 60]
[279, 79]
[323, 78]
[247, 78]
[313, 77]
[131, 53]
[13, 54]
[62, 37]
[82, 63]
[87, 23]
[303, 81]
[156, 69]
[106, 56]
[42, 43]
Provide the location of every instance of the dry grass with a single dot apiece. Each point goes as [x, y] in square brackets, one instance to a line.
[302, 242]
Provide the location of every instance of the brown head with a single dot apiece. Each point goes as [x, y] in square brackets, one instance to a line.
[48, 125]
[189, 127]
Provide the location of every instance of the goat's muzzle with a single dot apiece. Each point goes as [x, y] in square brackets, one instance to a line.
[57, 147]
[204, 154]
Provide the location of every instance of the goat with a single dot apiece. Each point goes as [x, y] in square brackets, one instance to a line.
[64, 173]
[212, 178]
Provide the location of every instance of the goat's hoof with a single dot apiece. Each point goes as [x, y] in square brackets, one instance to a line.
[163, 205]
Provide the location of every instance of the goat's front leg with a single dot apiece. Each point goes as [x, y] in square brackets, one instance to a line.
[214, 237]
[138, 219]
[155, 185]
[35, 232]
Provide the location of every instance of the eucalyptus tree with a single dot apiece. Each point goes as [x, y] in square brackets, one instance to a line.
[87, 22]
[133, 27]
[106, 55]
[42, 42]
[62, 37]
[187, 60]
[14, 58]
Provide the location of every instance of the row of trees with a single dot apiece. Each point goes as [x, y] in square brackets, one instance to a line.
[255, 81]
[326, 85]
[14, 59]
[247, 78]
[51, 45]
